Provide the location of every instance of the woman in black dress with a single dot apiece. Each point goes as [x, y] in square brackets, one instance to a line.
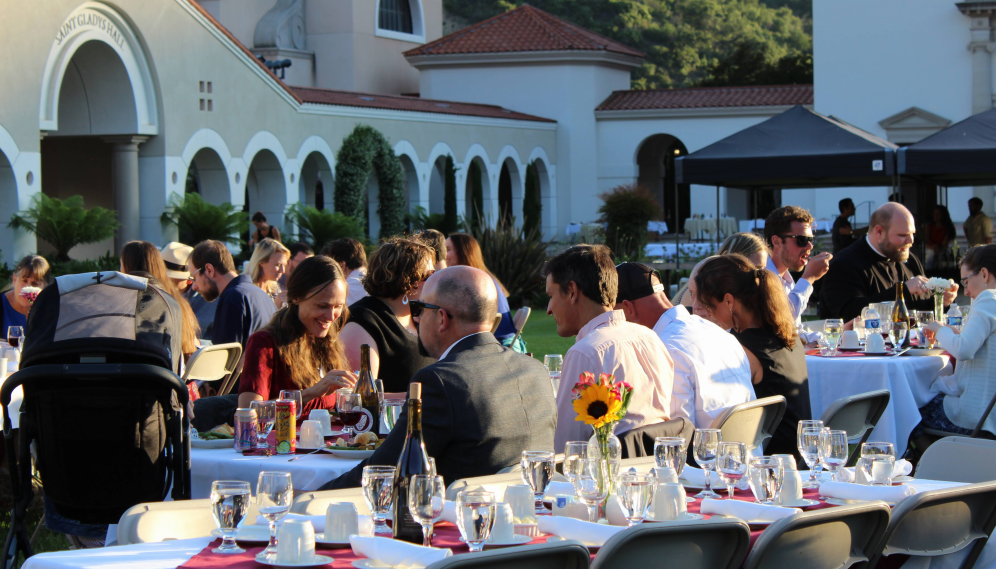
[395, 274]
[752, 304]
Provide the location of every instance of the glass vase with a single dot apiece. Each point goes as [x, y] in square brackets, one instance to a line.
[604, 444]
[939, 307]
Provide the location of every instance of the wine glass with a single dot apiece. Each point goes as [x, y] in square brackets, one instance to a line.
[441, 494]
[229, 505]
[731, 463]
[574, 451]
[475, 516]
[425, 503]
[274, 494]
[635, 493]
[537, 471]
[897, 334]
[766, 474]
[592, 485]
[295, 396]
[706, 443]
[808, 439]
[266, 415]
[832, 329]
[15, 337]
[879, 459]
[833, 450]
[670, 452]
[554, 364]
[350, 408]
[377, 483]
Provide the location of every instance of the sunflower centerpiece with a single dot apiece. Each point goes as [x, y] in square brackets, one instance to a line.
[602, 402]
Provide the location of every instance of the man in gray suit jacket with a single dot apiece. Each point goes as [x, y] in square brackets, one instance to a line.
[482, 404]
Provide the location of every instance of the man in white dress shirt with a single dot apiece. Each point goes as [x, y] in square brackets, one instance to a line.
[789, 232]
[352, 257]
[711, 370]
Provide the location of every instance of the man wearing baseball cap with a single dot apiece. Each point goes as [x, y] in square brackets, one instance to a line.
[711, 370]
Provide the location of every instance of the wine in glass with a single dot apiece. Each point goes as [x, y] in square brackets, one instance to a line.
[925, 317]
[832, 329]
[425, 503]
[731, 463]
[833, 451]
[15, 337]
[475, 516]
[897, 334]
[574, 451]
[592, 485]
[229, 505]
[706, 446]
[295, 396]
[350, 407]
[377, 482]
[266, 415]
[537, 472]
[635, 493]
[274, 494]
[808, 439]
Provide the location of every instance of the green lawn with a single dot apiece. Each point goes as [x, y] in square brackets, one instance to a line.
[540, 335]
[45, 540]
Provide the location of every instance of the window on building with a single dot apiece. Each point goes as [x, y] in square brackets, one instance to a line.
[396, 16]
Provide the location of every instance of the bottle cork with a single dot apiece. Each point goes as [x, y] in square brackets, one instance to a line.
[415, 391]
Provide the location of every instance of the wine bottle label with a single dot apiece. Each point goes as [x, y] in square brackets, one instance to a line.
[365, 422]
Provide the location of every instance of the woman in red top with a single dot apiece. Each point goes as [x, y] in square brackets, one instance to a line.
[300, 348]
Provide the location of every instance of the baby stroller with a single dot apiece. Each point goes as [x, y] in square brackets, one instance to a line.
[103, 408]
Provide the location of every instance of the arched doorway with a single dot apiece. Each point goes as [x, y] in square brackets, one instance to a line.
[265, 189]
[8, 204]
[655, 160]
[547, 200]
[437, 186]
[316, 176]
[411, 182]
[207, 176]
[476, 208]
[510, 193]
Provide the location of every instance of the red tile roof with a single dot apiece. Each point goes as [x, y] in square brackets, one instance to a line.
[523, 29]
[706, 97]
[411, 104]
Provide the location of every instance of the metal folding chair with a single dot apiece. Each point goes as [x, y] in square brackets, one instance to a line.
[857, 415]
[976, 460]
[751, 423]
[717, 543]
[559, 555]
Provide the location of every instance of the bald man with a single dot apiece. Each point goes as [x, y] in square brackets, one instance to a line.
[868, 270]
[482, 404]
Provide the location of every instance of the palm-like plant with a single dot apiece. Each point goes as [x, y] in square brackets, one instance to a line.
[516, 257]
[198, 220]
[318, 227]
[66, 224]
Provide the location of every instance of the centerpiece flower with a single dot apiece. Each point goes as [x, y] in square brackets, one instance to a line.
[30, 293]
[939, 286]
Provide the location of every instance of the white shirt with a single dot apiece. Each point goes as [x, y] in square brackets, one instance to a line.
[798, 292]
[354, 285]
[447, 352]
[711, 369]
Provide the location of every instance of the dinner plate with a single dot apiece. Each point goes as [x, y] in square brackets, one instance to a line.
[369, 564]
[685, 517]
[213, 443]
[320, 538]
[804, 503]
[556, 538]
[516, 540]
[901, 479]
[716, 484]
[887, 353]
[353, 454]
[316, 561]
[249, 534]
[923, 352]
[842, 502]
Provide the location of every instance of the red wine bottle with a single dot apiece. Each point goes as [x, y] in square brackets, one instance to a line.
[367, 391]
[413, 460]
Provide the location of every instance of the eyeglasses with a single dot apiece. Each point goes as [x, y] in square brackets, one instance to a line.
[964, 281]
[801, 240]
[416, 307]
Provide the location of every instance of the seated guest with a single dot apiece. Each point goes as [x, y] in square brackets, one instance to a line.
[688, 300]
[267, 265]
[263, 230]
[242, 307]
[751, 303]
[463, 249]
[482, 404]
[352, 258]
[299, 349]
[790, 233]
[383, 320]
[175, 257]
[30, 271]
[842, 233]
[298, 252]
[437, 241]
[749, 245]
[711, 370]
[868, 271]
[582, 285]
[968, 392]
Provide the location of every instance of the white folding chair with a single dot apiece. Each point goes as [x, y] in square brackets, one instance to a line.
[751, 423]
[717, 543]
[557, 555]
[211, 363]
[856, 415]
[161, 521]
[316, 503]
[976, 460]
[495, 483]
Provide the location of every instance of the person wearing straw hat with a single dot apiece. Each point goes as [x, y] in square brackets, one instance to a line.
[175, 255]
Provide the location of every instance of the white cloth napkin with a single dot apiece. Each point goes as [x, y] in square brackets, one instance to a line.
[365, 522]
[397, 553]
[587, 533]
[449, 512]
[848, 491]
[902, 467]
[560, 489]
[696, 477]
[747, 511]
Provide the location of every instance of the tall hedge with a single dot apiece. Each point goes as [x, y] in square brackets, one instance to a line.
[532, 206]
[450, 220]
[476, 205]
[363, 151]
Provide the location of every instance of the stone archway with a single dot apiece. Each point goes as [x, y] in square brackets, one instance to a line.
[316, 177]
[655, 160]
[265, 189]
[8, 203]
[510, 192]
[209, 176]
[364, 159]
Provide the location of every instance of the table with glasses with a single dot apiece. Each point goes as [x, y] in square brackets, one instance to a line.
[309, 472]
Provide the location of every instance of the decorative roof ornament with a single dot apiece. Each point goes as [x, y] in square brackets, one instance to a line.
[282, 27]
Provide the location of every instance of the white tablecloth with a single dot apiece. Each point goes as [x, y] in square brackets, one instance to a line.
[574, 228]
[909, 380]
[689, 251]
[701, 228]
[15, 398]
[308, 472]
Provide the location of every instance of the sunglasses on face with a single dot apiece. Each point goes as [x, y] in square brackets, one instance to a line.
[800, 240]
[416, 307]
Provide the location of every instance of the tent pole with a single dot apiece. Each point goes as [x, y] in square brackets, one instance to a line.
[677, 231]
[754, 192]
[717, 217]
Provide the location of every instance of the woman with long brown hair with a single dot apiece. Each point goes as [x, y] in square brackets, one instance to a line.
[751, 303]
[300, 348]
[463, 249]
[141, 258]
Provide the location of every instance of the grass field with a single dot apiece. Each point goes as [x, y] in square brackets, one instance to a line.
[540, 335]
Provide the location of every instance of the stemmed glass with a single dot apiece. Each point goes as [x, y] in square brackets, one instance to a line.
[635, 493]
[350, 408]
[731, 463]
[877, 462]
[574, 452]
[425, 502]
[475, 516]
[897, 334]
[554, 364]
[537, 471]
[592, 485]
[229, 505]
[832, 329]
[377, 482]
[833, 450]
[274, 494]
[808, 439]
[706, 443]
[295, 396]
[15, 337]
[765, 478]
[266, 415]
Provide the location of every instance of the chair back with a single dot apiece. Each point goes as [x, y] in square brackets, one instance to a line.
[316, 503]
[940, 522]
[846, 536]
[559, 555]
[813, 325]
[976, 460]
[233, 378]
[160, 521]
[717, 543]
[857, 415]
[211, 363]
[495, 483]
[640, 441]
[751, 423]
[521, 315]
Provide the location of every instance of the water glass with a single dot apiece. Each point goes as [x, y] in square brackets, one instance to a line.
[425, 503]
[391, 410]
[537, 471]
[924, 317]
[731, 463]
[554, 364]
[833, 451]
[636, 491]
[266, 414]
[808, 440]
[592, 485]
[274, 495]
[475, 515]
[670, 452]
[897, 334]
[377, 482]
[229, 505]
[765, 476]
[295, 396]
[706, 446]
[879, 459]
[828, 347]
[574, 451]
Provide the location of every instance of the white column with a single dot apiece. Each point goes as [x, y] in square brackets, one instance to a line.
[124, 164]
[981, 47]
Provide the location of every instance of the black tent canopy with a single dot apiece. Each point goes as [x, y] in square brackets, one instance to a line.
[964, 154]
[799, 148]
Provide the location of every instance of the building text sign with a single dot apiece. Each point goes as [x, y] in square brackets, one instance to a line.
[90, 20]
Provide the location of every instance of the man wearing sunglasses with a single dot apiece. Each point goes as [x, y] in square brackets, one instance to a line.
[789, 232]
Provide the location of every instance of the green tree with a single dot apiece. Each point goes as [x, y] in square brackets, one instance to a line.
[366, 150]
[626, 210]
[66, 224]
[532, 207]
[476, 204]
[197, 220]
[749, 65]
[450, 220]
[318, 227]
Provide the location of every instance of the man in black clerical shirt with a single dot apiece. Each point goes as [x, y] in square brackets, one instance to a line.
[868, 270]
[842, 234]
